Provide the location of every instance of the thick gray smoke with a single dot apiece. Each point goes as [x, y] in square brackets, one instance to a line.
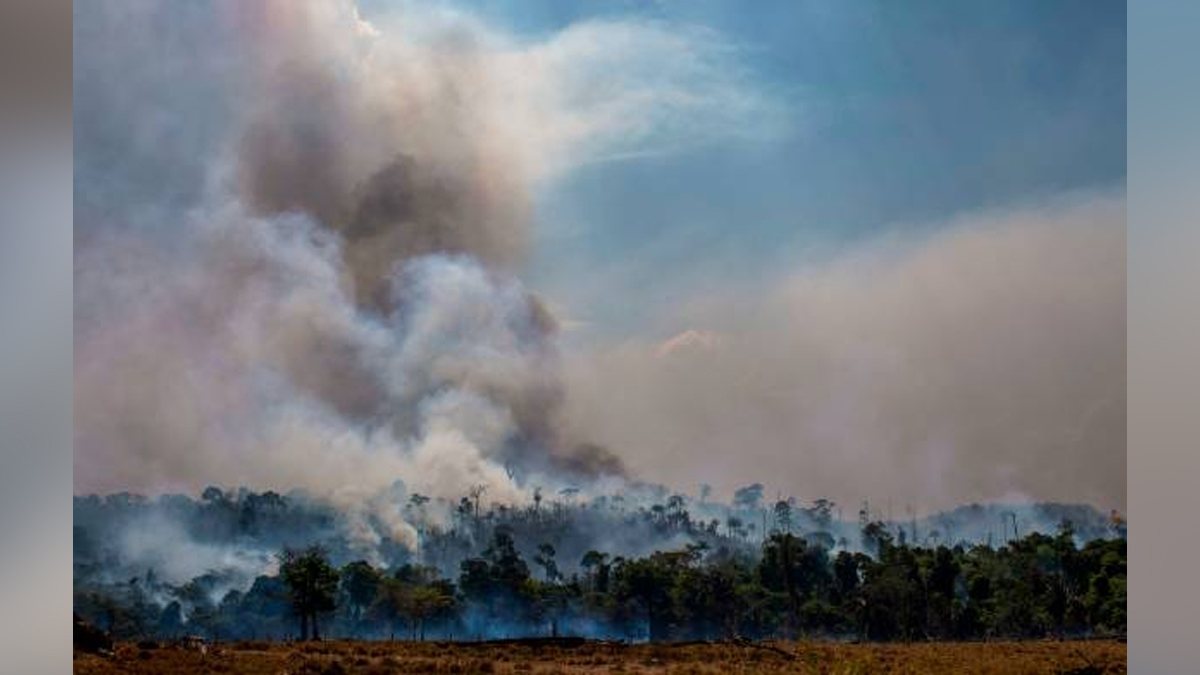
[393, 156]
[298, 235]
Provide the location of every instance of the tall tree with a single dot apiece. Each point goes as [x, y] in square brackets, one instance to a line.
[312, 585]
[595, 564]
[545, 559]
[360, 583]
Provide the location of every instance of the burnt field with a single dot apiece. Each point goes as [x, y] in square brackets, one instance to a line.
[580, 656]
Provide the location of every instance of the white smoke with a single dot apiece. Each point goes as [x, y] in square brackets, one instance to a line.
[214, 375]
[298, 235]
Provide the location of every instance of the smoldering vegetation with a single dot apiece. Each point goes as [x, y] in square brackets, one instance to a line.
[639, 564]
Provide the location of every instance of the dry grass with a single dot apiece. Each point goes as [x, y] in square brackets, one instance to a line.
[1079, 658]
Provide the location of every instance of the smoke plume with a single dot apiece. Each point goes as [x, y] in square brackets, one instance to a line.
[298, 239]
[982, 361]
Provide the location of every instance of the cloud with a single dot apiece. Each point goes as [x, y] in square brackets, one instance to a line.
[980, 360]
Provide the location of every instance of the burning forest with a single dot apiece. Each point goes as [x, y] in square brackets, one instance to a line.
[642, 564]
[317, 394]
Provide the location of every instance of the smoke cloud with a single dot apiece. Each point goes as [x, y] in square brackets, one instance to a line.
[984, 361]
[298, 239]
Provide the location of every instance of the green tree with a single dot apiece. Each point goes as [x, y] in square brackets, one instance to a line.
[413, 597]
[312, 585]
[647, 583]
[360, 584]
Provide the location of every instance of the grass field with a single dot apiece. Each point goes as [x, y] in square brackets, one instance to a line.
[1080, 658]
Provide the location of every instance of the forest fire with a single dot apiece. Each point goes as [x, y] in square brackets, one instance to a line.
[321, 411]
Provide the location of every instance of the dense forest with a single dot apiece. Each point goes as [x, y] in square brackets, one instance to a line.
[235, 566]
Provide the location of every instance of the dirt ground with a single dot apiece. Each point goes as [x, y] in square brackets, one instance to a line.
[1078, 658]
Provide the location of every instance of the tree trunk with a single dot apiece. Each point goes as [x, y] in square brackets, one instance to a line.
[789, 583]
[303, 626]
[315, 634]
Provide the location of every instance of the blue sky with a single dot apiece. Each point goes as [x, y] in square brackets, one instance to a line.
[898, 115]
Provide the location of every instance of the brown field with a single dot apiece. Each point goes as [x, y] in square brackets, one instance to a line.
[1090, 657]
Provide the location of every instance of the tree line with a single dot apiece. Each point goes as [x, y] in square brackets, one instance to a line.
[791, 586]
